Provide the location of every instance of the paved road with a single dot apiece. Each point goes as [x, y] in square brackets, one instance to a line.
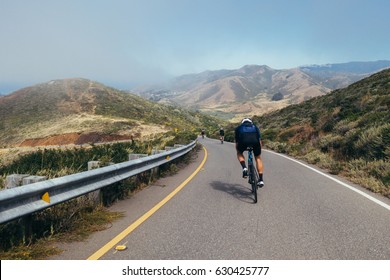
[301, 214]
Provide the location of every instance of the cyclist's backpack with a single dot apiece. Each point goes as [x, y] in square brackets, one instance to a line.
[248, 134]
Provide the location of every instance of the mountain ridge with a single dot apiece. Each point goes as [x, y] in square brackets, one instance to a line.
[255, 89]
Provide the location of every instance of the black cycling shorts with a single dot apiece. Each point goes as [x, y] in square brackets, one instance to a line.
[241, 147]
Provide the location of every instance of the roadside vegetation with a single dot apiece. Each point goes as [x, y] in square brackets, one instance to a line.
[53, 162]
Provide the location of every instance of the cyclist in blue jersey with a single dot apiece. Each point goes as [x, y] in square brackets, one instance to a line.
[247, 134]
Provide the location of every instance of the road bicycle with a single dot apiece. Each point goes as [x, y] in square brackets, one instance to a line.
[253, 175]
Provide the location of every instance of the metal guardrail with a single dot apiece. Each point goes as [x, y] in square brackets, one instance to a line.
[20, 201]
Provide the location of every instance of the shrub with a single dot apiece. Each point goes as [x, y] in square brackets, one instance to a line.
[269, 134]
[372, 142]
[315, 157]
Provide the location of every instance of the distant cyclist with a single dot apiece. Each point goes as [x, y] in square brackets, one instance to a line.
[221, 134]
[247, 134]
[203, 132]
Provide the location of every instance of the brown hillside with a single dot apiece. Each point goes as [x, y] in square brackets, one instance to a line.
[76, 111]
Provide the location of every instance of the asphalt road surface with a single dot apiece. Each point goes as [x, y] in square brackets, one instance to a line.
[301, 214]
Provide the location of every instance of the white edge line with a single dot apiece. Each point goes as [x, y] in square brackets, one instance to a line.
[377, 201]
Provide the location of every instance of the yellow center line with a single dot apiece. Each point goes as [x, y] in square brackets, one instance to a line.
[98, 254]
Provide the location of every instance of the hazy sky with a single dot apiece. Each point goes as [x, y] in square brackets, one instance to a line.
[124, 43]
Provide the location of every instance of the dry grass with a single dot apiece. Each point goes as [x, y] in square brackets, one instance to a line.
[372, 175]
[83, 123]
[81, 228]
[368, 174]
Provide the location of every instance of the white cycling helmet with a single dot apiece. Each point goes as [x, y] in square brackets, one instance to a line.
[246, 120]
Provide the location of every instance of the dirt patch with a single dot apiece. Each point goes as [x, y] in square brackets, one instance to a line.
[99, 138]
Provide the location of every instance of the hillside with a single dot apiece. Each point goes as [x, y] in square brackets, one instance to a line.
[256, 89]
[346, 131]
[82, 111]
[364, 105]
[231, 94]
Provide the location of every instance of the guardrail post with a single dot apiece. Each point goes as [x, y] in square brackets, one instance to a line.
[178, 146]
[153, 171]
[26, 226]
[14, 180]
[93, 164]
[25, 223]
[154, 151]
[33, 179]
[136, 156]
[26, 229]
[95, 196]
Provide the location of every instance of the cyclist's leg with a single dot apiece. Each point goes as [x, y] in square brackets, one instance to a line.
[240, 153]
[241, 158]
[257, 153]
[259, 167]
[259, 162]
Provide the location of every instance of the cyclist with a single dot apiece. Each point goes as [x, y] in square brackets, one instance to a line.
[221, 134]
[247, 134]
[203, 132]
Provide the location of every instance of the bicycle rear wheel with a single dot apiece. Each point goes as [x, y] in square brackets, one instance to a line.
[253, 181]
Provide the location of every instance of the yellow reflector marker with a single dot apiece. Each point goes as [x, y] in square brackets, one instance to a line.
[46, 197]
[120, 247]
